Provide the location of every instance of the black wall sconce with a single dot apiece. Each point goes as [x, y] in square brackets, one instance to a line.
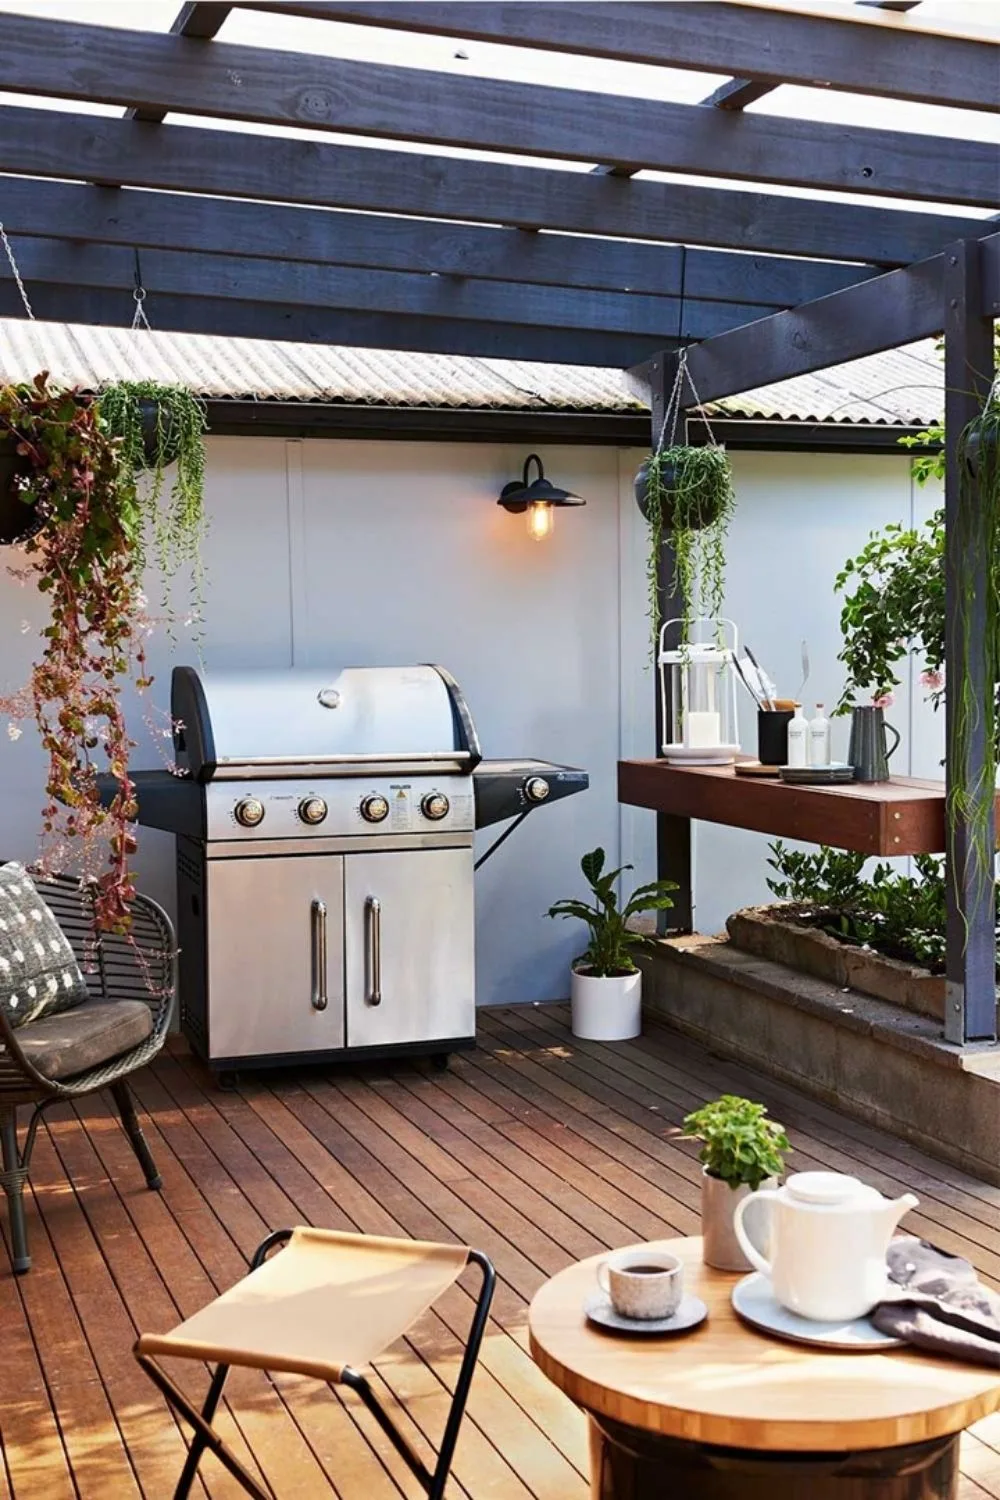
[537, 500]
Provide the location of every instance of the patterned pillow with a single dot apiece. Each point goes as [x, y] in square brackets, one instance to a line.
[39, 974]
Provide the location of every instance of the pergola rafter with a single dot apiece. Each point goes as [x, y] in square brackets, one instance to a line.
[414, 234]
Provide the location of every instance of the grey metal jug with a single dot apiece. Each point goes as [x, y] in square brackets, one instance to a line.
[867, 753]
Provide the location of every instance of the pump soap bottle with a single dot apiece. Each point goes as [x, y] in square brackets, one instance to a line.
[798, 738]
[819, 738]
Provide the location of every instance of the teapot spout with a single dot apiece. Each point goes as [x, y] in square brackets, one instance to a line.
[894, 1210]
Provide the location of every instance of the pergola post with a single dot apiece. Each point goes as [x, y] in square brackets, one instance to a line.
[673, 834]
[970, 1013]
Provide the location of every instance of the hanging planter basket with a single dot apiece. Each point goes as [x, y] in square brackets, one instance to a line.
[979, 449]
[161, 438]
[19, 519]
[695, 518]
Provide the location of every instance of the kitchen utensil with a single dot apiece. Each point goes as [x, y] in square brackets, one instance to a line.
[867, 752]
[767, 686]
[691, 1312]
[828, 1238]
[754, 1300]
[746, 682]
[805, 671]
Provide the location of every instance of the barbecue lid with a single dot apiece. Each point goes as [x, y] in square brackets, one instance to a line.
[287, 723]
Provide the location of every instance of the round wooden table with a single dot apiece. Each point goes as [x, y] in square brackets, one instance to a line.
[726, 1412]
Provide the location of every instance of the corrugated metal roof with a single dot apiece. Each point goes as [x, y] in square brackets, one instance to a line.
[903, 386]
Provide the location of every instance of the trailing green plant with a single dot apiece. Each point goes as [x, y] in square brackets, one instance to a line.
[689, 502]
[612, 941]
[84, 557]
[898, 915]
[741, 1144]
[158, 425]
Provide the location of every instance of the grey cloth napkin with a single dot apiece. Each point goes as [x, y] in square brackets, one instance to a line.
[940, 1305]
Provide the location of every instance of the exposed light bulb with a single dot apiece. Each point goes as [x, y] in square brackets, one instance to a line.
[541, 520]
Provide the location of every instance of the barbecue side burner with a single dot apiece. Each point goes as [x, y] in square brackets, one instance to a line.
[325, 826]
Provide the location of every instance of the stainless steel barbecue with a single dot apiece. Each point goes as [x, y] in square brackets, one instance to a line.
[325, 826]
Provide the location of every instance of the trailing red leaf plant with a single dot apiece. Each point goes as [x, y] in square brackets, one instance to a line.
[87, 557]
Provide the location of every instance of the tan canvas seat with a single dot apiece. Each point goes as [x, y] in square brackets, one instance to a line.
[328, 1304]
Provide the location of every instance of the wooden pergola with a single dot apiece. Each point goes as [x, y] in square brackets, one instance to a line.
[290, 236]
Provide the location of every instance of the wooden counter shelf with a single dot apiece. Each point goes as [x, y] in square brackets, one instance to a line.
[901, 816]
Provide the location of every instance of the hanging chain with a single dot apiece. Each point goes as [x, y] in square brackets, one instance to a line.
[17, 274]
[139, 319]
[672, 410]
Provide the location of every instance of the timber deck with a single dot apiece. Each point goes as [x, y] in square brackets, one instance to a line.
[536, 1148]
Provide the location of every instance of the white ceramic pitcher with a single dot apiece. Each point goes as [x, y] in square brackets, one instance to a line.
[828, 1238]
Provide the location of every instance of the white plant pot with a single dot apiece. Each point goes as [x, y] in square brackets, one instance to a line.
[606, 1010]
[720, 1247]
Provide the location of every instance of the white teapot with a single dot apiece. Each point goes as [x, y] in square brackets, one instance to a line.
[828, 1238]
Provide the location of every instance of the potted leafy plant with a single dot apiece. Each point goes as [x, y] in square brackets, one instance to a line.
[742, 1150]
[605, 985]
[158, 425]
[83, 548]
[686, 495]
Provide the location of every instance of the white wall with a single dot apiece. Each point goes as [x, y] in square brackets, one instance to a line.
[363, 552]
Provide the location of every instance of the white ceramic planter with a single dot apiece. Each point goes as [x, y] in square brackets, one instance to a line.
[720, 1247]
[606, 1010]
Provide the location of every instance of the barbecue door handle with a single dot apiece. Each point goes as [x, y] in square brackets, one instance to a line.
[320, 998]
[373, 912]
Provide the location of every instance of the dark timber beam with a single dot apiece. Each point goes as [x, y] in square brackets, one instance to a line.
[858, 52]
[47, 143]
[230, 318]
[198, 18]
[971, 997]
[737, 93]
[351, 289]
[155, 71]
[173, 221]
[879, 314]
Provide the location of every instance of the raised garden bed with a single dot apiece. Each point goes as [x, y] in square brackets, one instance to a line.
[783, 935]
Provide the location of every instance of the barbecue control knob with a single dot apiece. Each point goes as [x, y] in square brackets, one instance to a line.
[312, 810]
[435, 806]
[374, 809]
[536, 789]
[249, 811]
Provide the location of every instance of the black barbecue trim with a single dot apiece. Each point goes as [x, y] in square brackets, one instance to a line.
[244, 1064]
[192, 727]
[462, 718]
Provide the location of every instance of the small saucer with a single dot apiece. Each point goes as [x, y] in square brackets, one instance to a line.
[691, 1312]
[755, 1302]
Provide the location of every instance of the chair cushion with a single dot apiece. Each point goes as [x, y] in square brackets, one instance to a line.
[62, 1045]
[39, 974]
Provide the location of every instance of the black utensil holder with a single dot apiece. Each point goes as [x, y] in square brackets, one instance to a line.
[772, 735]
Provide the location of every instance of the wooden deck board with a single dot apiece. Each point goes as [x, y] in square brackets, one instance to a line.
[537, 1148]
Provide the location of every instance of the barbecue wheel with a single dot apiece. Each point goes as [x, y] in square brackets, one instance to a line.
[439, 1061]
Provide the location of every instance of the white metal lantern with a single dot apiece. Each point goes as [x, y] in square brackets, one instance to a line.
[698, 682]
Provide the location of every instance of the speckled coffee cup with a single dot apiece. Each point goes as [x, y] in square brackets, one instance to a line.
[642, 1283]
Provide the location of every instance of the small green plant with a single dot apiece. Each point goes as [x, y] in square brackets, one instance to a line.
[609, 952]
[898, 915]
[741, 1144]
[689, 502]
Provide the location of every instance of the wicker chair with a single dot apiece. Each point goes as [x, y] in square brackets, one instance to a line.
[141, 968]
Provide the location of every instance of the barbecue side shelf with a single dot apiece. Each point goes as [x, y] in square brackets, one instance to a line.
[901, 816]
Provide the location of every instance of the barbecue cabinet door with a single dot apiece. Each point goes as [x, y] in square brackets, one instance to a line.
[410, 949]
[275, 933]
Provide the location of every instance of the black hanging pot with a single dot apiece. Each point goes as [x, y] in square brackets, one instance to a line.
[160, 438]
[18, 519]
[980, 449]
[668, 484]
[668, 478]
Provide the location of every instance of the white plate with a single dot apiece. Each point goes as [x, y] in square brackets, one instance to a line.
[700, 755]
[691, 1312]
[756, 1304]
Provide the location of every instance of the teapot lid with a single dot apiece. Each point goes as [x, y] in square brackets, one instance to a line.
[824, 1187]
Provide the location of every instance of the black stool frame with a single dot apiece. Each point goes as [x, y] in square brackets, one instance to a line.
[205, 1436]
